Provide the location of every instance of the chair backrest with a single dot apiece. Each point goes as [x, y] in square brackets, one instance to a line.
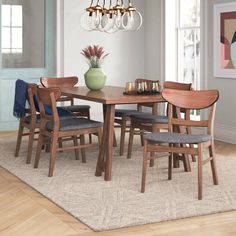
[47, 98]
[61, 82]
[177, 85]
[31, 96]
[65, 82]
[191, 100]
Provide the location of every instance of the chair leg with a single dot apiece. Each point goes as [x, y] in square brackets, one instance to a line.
[90, 135]
[38, 151]
[100, 137]
[200, 172]
[53, 155]
[75, 141]
[19, 138]
[122, 135]
[60, 143]
[170, 166]
[144, 171]
[130, 145]
[82, 142]
[30, 145]
[151, 164]
[47, 147]
[141, 137]
[187, 166]
[213, 164]
[114, 139]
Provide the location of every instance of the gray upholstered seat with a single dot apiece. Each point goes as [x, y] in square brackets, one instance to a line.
[125, 112]
[149, 118]
[62, 117]
[74, 124]
[76, 108]
[177, 138]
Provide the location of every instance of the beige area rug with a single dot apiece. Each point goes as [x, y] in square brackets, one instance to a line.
[109, 205]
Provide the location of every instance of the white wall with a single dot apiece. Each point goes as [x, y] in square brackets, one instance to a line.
[126, 59]
[153, 39]
[225, 122]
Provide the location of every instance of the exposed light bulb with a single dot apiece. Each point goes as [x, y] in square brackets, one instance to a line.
[118, 21]
[128, 21]
[107, 22]
[86, 20]
[132, 20]
[115, 18]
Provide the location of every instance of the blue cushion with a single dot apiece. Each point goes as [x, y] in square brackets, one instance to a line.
[61, 111]
[20, 98]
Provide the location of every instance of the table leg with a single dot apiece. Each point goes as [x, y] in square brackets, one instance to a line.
[110, 113]
[106, 148]
[102, 152]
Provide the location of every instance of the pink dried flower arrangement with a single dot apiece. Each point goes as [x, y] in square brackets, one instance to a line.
[94, 55]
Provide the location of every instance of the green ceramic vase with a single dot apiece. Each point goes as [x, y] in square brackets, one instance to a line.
[95, 78]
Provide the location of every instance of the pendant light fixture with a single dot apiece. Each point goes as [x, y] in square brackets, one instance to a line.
[111, 19]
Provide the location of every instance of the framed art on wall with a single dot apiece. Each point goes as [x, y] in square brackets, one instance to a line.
[225, 40]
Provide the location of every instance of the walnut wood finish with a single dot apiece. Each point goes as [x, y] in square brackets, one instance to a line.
[156, 127]
[109, 97]
[31, 124]
[187, 100]
[49, 96]
[124, 121]
[65, 82]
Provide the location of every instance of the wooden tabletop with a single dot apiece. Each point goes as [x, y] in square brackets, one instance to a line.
[110, 95]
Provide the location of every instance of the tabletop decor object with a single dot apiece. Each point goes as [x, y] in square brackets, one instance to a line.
[95, 78]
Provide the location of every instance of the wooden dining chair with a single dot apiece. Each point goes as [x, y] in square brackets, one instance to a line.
[122, 116]
[30, 122]
[154, 123]
[53, 129]
[67, 82]
[173, 142]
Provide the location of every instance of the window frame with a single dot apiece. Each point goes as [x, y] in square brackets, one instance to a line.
[11, 27]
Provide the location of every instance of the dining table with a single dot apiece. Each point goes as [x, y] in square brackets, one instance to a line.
[109, 97]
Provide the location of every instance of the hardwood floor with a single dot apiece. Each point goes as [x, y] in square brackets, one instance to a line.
[25, 212]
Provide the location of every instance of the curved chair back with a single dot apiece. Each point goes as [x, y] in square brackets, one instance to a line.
[47, 98]
[191, 100]
[177, 85]
[65, 82]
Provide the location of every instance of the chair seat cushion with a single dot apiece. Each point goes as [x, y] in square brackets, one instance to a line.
[77, 108]
[125, 112]
[163, 137]
[74, 124]
[149, 118]
[62, 115]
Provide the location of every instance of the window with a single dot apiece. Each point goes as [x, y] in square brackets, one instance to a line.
[183, 41]
[12, 29]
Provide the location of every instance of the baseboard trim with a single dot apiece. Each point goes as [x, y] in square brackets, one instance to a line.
[225, 133]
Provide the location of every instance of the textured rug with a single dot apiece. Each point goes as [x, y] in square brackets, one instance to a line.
[109, 205]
